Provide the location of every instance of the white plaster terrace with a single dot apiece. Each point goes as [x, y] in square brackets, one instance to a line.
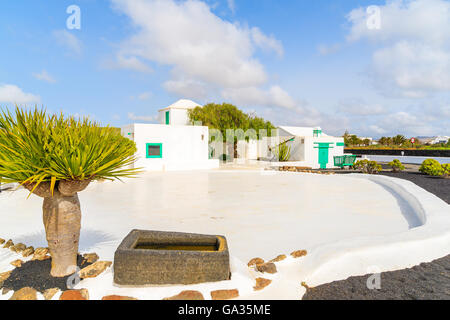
[350, 225]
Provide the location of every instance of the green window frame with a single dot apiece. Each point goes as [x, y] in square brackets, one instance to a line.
[147, 153]
[340, 144]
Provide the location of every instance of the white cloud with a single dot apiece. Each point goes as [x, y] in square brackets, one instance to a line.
[208, 55]
[232, 6]
[413, 67]
[412, 58]
[188, 88]
[131, 63]
[359, 107]
[13, 94]
[68, 40]
[44, 76]
[269, 43]
[377, 130]
[134, 117]
[143, 96]
[274, 97]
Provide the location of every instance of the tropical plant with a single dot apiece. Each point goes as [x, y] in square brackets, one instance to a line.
[55, 157]
[366, 166]
[431, 167]
[396, 165]
[283, 152]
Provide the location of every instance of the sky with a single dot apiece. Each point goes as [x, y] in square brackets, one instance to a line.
[374, 68]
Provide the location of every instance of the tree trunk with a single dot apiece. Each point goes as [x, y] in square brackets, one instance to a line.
[62, 221]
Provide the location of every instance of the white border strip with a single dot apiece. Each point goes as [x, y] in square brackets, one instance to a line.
[357, 256]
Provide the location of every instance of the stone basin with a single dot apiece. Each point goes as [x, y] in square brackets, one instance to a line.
[157, 257]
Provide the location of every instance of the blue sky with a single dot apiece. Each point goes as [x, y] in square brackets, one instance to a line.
[294, 62]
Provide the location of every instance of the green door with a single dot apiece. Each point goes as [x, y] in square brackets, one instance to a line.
[167, 117]
[323, 157]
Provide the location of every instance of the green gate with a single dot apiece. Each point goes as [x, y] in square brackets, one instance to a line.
[323, 153]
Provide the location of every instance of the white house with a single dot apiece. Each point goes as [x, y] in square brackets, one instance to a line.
[176, 114]
[172, 145]
[310, 147]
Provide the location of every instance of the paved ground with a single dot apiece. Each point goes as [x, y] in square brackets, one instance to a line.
[427, 281]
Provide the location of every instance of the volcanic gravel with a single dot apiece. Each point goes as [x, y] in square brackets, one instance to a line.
[428, 281]
[36, 274]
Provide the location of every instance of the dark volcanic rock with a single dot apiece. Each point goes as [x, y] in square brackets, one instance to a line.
[428, 281]
[36, 274]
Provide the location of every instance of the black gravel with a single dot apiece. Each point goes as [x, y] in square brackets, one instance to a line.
[36, 274]
[428, 281]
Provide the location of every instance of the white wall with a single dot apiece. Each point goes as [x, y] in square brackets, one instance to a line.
[312, 153]
[178, 117]
[183, 147]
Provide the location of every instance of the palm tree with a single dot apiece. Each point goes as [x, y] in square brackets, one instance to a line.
[55, 157]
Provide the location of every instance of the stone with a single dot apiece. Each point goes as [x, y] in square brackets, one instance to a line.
[90, 257]
[5, 290]
[281, 257]
[299, 253]
[117, 298]
[17, 263]
[268, 267]
[8, 244]
[20, 247]
[187, 295]
[261, 283]
[94, 269]
[81, 294]
[2, 241]
[40, 254]
[50, 293]
[224, 294]
[4, 276]
[28, 252]
[26, 293]
[255, 261]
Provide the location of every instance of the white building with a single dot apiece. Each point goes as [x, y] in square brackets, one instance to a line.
[310, 147]
[172, 145]
[176, 114]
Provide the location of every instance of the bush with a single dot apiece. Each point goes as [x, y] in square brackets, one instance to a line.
[283, 152]
[396, 165]
[431, 167]
[366, 166]
[446, 170]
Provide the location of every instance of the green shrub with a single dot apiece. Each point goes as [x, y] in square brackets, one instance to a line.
[396, 165]
[283, 152]
[431, 167]
[366, 166]
[446, 170]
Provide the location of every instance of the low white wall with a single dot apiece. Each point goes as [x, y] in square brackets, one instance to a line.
[356, 257]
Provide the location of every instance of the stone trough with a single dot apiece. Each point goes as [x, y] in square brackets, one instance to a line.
[157, 258]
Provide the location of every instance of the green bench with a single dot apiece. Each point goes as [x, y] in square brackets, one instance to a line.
[344, 161]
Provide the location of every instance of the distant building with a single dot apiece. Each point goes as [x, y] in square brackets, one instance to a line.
[434, 140]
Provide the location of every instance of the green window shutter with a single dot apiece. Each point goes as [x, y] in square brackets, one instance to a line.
[167, 117]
